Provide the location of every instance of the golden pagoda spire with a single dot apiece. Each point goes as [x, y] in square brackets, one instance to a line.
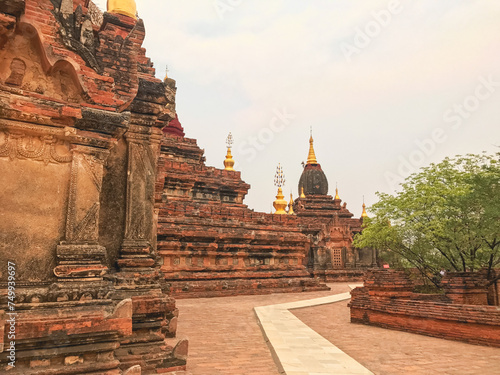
[302, 195]
[364, 214]
[311, 158]
[290, 205]
[279, 181]
[125, 7]
[337, 193]
[229, 162]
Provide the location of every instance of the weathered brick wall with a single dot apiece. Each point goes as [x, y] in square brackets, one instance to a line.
[388, 283]
[330, 226]
[474, 324]
[340, 275]
[386, 300]
[210, 242]
[466, 288]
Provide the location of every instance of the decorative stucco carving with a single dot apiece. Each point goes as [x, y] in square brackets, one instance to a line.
[47, 149]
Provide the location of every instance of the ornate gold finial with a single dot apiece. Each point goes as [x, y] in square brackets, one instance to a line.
[279, 177]
[311, 158]
[364, 214]
[302, 195]
[337, 193]
[125, 7]
[279, 181]
[229, 162]
[166, 72]
[290, 205]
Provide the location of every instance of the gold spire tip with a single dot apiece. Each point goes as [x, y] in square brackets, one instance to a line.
[311, 158]
[364, 214]
[290, 205]
[125, 7]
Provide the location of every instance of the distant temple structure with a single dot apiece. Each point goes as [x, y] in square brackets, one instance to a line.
[212, 244]
[329, 226]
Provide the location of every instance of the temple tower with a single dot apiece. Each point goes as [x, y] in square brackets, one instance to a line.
[329, 225]
[313, 179]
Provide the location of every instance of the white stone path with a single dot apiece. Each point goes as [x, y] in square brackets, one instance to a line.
[297, 349]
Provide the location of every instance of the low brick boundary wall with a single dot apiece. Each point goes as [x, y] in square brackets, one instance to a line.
[435, 316]
[234, 287]
[341, 275]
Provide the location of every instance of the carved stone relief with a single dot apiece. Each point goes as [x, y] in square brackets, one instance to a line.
[35, 167]
[17, 71]
[80, 255]
[140, 191]
[48, 148]
[77, 31]
[21, 66]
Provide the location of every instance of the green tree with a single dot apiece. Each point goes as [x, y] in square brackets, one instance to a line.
[447, 215]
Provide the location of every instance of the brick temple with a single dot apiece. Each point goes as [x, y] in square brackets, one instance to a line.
[212, 244]
[81, 114]
[330, 227]
[108, 210]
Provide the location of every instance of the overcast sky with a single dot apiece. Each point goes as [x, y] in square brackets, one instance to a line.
[387, 86]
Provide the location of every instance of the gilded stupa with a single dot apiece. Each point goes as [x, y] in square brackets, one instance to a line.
[229, 162]
[290, 205]
[330, 226]
[280, 204]
[313, 180]
[364, 214]
[124, 7]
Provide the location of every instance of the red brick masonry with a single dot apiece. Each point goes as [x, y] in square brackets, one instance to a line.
[476, 324]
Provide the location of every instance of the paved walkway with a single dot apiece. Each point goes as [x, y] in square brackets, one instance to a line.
[224, 334]
[298, 349]
[225, 339]
[388, 352]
